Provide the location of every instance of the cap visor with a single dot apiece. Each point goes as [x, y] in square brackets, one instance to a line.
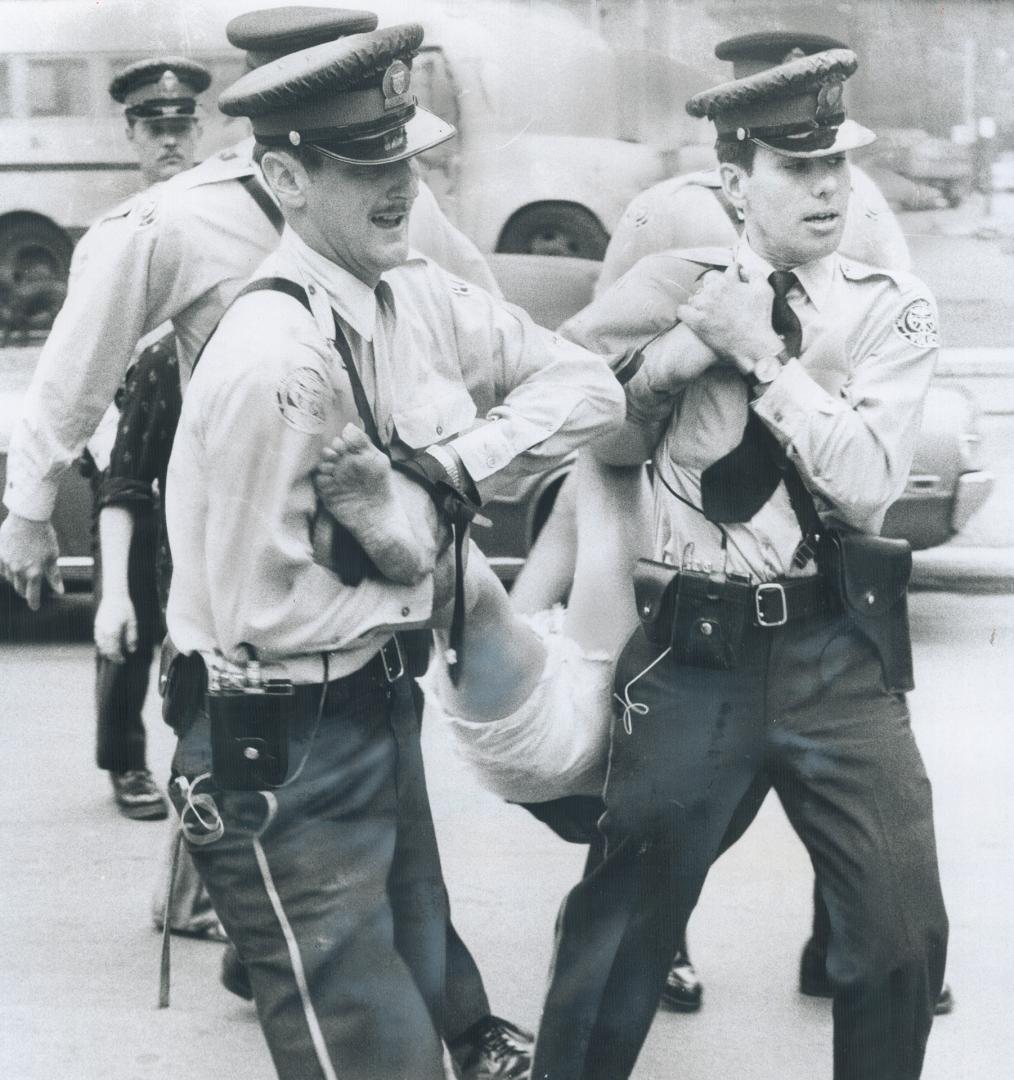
[851, 136]
[422, 132]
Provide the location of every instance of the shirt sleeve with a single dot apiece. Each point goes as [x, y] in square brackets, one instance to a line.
[149, 413]
[111, 303]
[551, 395]
[662, 218]
[855, 448]
[262, 432]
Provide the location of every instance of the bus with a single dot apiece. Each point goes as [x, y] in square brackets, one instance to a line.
[541, 163]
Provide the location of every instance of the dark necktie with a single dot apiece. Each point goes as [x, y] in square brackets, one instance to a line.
[736, 486]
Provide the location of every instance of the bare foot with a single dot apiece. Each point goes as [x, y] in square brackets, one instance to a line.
[354, 480]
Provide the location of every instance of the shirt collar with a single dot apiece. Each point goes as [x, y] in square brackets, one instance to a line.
[353, 299]
[814, 277]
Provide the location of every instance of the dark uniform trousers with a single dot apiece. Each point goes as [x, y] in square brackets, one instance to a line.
[330, 887]
[120, 689]
[806, 713]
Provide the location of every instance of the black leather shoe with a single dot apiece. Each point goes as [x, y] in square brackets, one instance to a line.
[813, 980]
[683, 991]
[234, 975]
[492, 1049]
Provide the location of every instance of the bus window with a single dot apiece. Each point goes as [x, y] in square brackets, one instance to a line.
[58, 87]
[5, 90]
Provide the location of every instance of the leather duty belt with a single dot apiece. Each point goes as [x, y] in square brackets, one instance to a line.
[776, 603]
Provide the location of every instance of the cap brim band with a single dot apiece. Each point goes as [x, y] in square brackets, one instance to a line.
[850, 136]
[147, 110]
[422, 132]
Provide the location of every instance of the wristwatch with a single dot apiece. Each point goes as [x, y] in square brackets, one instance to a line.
[766, 370]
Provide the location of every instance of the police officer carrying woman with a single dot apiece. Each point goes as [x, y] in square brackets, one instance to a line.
[778, 389]
[298, 772]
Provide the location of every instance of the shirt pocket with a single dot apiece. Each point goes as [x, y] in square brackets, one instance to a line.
[445, 411]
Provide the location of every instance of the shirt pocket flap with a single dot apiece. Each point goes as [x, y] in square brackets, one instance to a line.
[443, 413]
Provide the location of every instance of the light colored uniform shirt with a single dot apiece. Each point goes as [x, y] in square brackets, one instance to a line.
[440, 360]
[685, 212]
[847, 410]
[179, 251]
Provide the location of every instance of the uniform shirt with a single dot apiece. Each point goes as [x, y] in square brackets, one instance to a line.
[179, 251]
[686, 212]
[440, 361]
[847, 410]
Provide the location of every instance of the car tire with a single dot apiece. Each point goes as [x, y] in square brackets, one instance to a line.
[554, 228]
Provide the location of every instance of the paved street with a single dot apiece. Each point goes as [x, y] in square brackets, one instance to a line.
[78, 962]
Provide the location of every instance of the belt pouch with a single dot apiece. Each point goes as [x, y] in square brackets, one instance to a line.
[710, 614]
[702, 615]
[653, 593]
[182, 682]
[250, 735]
[870, 576]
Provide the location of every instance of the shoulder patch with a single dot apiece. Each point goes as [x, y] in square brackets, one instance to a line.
[144, 212]
[918, 324]
[302, 397]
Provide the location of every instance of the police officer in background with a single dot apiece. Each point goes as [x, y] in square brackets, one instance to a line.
[325, 873]
[778, 390]
[181, 252]
[160, 99]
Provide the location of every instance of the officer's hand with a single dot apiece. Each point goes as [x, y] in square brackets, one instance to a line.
[28, 553]
[116, 628]
[733, 316]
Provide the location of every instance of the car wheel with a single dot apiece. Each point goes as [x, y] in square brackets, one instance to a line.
[554, 228]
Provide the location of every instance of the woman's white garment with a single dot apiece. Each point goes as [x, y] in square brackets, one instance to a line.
[557, 742]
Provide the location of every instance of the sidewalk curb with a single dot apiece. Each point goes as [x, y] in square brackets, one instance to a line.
[952, 566]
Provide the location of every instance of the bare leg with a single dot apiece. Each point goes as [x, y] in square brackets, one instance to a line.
[354, 480]
[548, 573]
[613, 516]
[600, 524]
[503, 656]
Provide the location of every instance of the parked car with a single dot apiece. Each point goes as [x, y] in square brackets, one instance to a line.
[923, 159]
[946, 486]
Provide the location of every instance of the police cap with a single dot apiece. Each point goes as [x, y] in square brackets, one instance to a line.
[269, 33]
[161, 86]
[350, 99]
[751, 53]
[796, 108]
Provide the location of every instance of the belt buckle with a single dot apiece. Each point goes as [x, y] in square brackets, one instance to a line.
[764, 590]
[392, 675]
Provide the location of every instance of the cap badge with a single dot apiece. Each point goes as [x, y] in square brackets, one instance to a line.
[169, 84]
[295, 138]
[829, 102]
[397, 80]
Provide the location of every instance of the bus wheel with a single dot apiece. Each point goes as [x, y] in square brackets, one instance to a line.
[32, 248]
[34, 264]
[554, 228]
